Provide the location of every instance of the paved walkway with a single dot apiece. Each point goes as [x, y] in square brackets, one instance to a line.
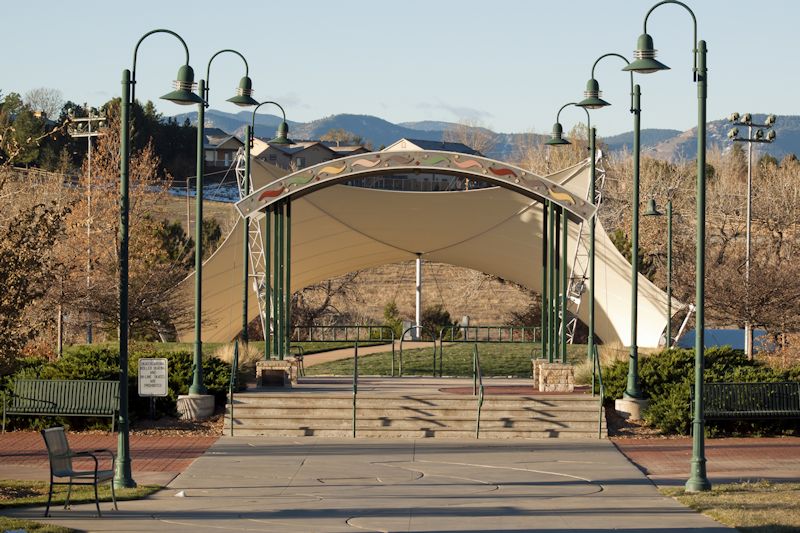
[346, 353]
[156, 459]
[347, 485]
[666, 461]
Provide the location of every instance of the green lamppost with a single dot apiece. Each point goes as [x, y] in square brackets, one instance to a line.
[645, 63]
[557, 139]
[652, 211]
[592, 100]
[281, 138]
[181, 95]
[243, 99]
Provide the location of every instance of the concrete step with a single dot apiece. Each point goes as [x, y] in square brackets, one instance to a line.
[556, 413]
[419, 434]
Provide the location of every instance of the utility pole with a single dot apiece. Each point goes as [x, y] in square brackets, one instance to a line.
[752, 137]
[88, 127]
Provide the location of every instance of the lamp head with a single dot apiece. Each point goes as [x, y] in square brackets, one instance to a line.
[771, 119]
[244, 94]
[557, 136]
[184, 84]
[592, 96]
[734, 117]
[747, 118]
[759, 134]
[645, 57]
[282, 135]
[652, 210]
[771, 135]
[733, 134]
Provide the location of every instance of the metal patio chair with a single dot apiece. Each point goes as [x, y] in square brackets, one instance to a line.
[60, 457]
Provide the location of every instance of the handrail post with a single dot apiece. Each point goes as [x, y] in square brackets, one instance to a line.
[355, 385]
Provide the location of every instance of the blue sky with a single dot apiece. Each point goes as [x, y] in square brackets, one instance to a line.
[506, 64]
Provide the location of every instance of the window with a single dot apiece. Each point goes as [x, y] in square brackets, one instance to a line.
[300, 162]
[210, 156]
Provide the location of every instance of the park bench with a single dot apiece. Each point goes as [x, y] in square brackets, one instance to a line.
[40, 397]
[763, 400]
[60, 457]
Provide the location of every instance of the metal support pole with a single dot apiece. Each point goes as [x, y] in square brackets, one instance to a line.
[632, 390]
[275, 285]
[698, 480]
[545, 295]
[279, 333]
[564, 282]
[551, 266]
[669, 272]
[122, 473]
[269, 293]
[592, 224]
[288, 290]
[559, 321]
[748, 327]
[246, 239]
[418, 299]
[197, 386]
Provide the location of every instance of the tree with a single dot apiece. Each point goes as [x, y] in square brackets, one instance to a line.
[45, 100]
[339, 136]
[315, 304]
[471, 133]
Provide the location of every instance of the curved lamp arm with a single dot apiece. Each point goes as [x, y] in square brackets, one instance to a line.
[253, 123]
[136, 51]
[588, 116]
[208, 71]
[694, 23]
[627, 62]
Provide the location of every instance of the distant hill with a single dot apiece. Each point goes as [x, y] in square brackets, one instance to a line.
[660, 143]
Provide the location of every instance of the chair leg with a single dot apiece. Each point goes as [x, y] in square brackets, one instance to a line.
[114, 496]
[97, 499]
[49, 497]
[69, 493]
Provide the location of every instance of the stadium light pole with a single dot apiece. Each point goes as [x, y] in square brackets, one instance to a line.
[181, 95]
[756, 136]
[646, 63]
[242, 98]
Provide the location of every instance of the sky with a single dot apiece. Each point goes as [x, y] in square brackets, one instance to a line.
[507, 65]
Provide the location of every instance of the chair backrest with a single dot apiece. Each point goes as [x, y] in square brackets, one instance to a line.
[58, 451]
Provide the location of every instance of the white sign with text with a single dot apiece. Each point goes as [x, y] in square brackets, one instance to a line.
[153, 377]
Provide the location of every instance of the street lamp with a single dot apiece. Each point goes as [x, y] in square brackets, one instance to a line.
[281, 138]
[652, 211]
[646, 63]
[592, 100]
[181, 95]
[243, 99]
[756, 136]
[557, 139]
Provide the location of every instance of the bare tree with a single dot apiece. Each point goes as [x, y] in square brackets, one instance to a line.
[473, 134]
[45, 99]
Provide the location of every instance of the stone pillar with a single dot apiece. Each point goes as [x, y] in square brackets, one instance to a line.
[556, 377]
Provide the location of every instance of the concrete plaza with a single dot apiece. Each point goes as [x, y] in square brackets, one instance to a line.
[338, 485]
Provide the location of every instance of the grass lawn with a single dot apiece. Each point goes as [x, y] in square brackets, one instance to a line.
[209, 348]
[501, 360]
[749, 507]
[23, 493]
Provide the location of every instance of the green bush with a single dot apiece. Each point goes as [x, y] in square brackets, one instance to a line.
[666, 379]
[102, 362]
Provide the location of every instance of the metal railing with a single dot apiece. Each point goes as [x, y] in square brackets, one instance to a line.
[477, 387]
[488, 334]
[343, 333]
[424, 330]
[597, 369]
[355, 385]
[233, 381]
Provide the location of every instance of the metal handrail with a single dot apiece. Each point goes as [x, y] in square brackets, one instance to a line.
[355, 384]
[233, 380]
[464, 332]
[599, 368]
[385, 333]
[477, 387]
[403, 336]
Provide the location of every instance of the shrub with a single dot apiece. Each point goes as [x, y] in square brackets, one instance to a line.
[666, 379]
[102, 362]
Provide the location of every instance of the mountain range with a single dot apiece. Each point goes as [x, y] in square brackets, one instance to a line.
[660, 143]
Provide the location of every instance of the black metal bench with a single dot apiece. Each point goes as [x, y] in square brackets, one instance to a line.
[40, 397]
[762, 400]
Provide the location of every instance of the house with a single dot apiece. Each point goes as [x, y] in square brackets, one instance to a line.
[301, 154]
[421, 144]
[219, 148]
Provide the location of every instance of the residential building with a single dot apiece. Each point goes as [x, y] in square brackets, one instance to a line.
[220, 148]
